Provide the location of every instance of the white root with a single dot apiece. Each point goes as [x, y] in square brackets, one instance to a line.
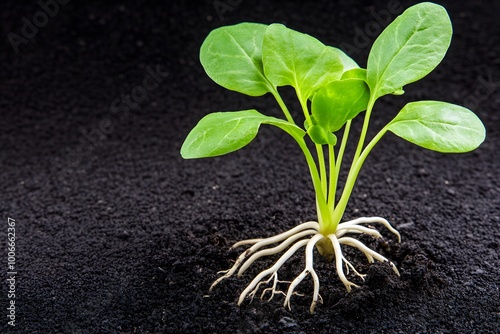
[367, 251]
[277, 238]
[338, 263]
[359, 230]
[349, 265]
[274, 250]
[273, 289]
[252, 287]
[368, 220]
[259, 243]
[308, 270]
[293, 239]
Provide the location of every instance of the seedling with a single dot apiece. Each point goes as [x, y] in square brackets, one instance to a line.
[256, 59]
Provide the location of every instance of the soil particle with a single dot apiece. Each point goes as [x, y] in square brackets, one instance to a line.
[117, 234]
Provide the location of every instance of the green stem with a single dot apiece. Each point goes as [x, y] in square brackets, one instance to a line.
[322, 207]
[282, 105]
[322, 168]
[303, 104]
[323, 211]
[319, 149]
[364, 130]
[357, 162]
[343, 145]
[351, 180]
[333, 179]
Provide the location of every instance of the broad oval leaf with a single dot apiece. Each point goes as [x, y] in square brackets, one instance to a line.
[224, 132]
[339, 101]
[439, 126]
[232, 57]
[409, 48]
[295, 59]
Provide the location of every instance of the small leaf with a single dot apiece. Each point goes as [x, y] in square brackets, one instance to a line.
[321, 136]
[360, 73]
[355, 73]
[439, 126]
[339, 101]
[295, 59]
[232, 57]
[409, 48]
[224, 132]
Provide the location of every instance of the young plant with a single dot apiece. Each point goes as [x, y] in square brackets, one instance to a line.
[256, 59]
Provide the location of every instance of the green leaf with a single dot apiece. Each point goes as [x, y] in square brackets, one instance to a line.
[224, 132]
[439, 126]
[339, 101]
[355, 73]
[409, 48]
[347, 61]
[360, 73]
[295, 59]
[232, 57]
[321, 136]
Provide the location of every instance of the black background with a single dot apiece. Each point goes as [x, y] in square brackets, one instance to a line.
[117, 234]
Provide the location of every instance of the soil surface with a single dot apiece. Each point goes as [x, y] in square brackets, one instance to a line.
[115, 233]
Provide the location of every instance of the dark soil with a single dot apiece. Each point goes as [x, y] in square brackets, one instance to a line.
[115, 233]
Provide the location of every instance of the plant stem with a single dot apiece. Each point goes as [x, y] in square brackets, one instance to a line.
[333, 180]
[324, 214]
[282, 104]
[357, 162]
[321, 198]
[305, 109]
[351, 180]
[319, 149]
[321, 204]
[343, 145]
[364, 130]
[334, 174]
[322, 168]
